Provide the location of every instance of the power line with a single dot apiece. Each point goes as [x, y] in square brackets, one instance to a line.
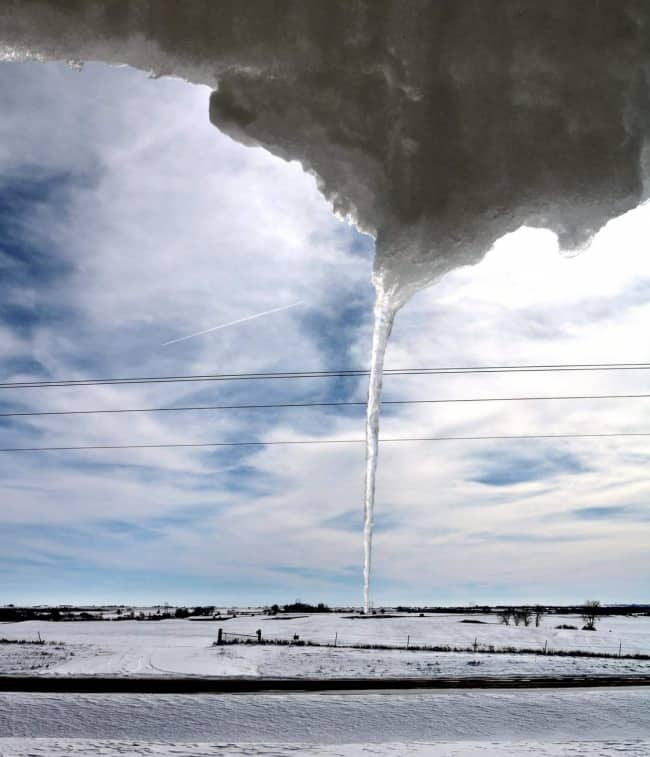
[328, 441]
[280, 405]
[325, 374]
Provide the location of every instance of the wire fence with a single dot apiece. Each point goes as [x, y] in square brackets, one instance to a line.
[551, 647]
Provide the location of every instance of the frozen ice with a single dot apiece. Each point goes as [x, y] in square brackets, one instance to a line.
[384, 315]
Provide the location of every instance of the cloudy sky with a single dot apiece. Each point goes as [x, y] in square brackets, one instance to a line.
[128, 221]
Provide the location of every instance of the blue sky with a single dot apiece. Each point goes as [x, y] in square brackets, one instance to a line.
[127, 220]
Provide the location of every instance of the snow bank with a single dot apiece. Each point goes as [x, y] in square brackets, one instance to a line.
[70, 748]
[547, 716]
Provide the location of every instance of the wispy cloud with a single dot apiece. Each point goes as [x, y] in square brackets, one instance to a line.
[516, 467]
[615, 513]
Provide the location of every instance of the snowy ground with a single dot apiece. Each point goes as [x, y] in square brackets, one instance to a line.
[74, 748]
[27, 659]
[186, 647]
[327, 719]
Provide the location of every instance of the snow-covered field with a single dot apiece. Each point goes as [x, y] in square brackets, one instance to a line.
[74, 748]
[186, 647]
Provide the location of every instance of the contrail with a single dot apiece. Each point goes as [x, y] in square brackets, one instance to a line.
[232, 323]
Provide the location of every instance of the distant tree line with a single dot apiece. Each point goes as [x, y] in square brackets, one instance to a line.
[178, 612]
[297, 606]
[476, 609]
[185, 612]
[12, 614]
[590, 612]
[604, 610]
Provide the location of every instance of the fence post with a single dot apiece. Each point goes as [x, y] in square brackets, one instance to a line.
[475, 643]
[619, 648]
[408, 639]
[545, 646]
[40, 641]
[220, 636]
[336, 637]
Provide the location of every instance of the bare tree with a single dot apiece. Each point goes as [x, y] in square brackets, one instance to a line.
[504, 616]
[590, 611]
[526, 614]
[539, 614]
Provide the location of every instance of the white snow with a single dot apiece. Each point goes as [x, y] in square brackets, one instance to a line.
[522, 715]
[27, 659]
[549, 723]
[71, 748]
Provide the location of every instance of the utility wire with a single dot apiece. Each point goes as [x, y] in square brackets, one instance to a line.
[325, 374]
[327, 441]
[280, 405]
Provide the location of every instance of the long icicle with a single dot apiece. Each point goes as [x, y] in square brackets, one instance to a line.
[384, 315]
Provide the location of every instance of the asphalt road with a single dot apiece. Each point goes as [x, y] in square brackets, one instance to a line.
[200, 685]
